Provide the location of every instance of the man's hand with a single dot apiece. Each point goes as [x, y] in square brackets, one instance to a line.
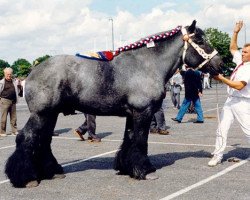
[200, 94]
[238, 85]
[238, 26]
[233, 44]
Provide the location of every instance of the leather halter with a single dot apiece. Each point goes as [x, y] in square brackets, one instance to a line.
[186, 38]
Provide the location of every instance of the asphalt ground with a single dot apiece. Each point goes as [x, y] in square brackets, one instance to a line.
[180, 158]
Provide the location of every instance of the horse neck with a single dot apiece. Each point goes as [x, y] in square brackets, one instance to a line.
[165, 56]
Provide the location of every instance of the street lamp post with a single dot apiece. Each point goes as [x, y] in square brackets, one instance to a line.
[245, 29]
[112, 28]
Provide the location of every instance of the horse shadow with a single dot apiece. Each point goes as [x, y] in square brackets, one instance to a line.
[168, 159]
[62, 131]
[159, 161]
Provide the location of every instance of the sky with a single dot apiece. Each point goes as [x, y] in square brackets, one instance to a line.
[33, 28]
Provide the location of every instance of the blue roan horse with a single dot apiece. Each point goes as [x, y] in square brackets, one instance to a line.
[131, 86]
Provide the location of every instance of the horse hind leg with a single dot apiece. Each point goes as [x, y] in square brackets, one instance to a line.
[33, 160]
[132, 158]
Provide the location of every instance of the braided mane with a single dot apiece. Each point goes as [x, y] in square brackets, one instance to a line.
[144, 41]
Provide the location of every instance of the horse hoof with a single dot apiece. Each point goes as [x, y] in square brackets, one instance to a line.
[32, 184]
[151, 176]
[59, 176]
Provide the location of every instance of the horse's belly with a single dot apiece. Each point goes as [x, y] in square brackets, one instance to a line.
[103, 109]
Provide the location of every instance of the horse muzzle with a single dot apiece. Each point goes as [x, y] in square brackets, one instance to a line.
[215, 65]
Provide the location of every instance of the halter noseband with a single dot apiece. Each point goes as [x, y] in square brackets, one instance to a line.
[201, 52]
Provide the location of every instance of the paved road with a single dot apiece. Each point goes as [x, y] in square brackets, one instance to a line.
[181, 160]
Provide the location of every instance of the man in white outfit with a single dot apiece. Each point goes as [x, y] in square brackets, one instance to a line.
[237, 104]
[206, 81]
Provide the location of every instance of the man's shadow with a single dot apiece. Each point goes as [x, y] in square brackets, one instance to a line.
[104, 134]
[62, 131]
[159, 161]
[239, 152]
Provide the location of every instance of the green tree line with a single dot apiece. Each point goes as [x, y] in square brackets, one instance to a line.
[221, 42]
[21, 67]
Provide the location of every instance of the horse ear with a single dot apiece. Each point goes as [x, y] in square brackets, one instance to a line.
[191, 28]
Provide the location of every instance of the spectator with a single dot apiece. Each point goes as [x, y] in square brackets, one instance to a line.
[193, 92]
[206, 83]
[158, 123]
[177, 81]
[237, 104]
[88, 126]
[9, 96]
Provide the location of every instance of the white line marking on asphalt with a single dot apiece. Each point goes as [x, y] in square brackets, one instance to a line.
[206, 99]
[22, 109]
[5, 181]
[211, 109]
[204, 181]
[7, 147]
[167, 143]
[108, 140]
[21, 104]
[186, 144]
[86, 159]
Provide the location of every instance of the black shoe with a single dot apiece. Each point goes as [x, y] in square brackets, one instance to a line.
[176, 120]
[80, 135]
[154, 131]
[198, 122]
[163, 132]
[94, 138]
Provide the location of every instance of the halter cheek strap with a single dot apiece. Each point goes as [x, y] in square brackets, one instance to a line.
[186, 38]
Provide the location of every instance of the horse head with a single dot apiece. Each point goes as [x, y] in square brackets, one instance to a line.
[197, 53]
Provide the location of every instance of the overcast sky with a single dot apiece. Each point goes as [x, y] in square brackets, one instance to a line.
[33, 28]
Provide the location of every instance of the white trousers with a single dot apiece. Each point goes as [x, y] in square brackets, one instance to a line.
[234, 107]
[206, 83]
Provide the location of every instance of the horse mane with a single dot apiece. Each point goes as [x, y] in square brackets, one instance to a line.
[151, 38]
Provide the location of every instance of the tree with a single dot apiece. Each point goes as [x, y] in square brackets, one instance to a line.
[17, 65]
[23, 71]
[40, 59]
[221, 42]
[3, 64]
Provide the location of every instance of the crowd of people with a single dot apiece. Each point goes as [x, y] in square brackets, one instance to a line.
[193, 81]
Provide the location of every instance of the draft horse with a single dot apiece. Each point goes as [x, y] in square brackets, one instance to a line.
[131, 86]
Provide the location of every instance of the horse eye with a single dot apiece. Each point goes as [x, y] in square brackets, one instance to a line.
[199, 41]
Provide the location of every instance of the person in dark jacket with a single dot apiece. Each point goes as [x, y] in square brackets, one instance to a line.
[193, 92]
[158, 123]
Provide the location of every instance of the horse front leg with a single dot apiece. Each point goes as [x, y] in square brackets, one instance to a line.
[33, 160]
[132, 158]
[120, 163]
[46, 163]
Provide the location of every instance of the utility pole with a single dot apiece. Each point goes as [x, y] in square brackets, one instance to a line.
[112, 29]
[245, 29]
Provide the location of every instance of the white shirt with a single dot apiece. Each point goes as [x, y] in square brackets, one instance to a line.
[177, 79]
[206, 76]
[242, 74]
